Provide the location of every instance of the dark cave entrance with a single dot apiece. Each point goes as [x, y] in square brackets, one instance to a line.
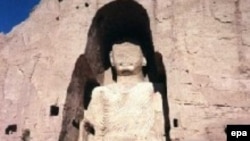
[54, 110]
[11, 129]
[116, 22]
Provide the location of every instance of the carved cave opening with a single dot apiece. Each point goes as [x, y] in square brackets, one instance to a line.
[11, 129]
[175, 122]
[116, 22]
[54, 110]
[86, 4]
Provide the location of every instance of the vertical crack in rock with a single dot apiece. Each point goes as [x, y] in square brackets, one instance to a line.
[238, 19]
[238, 16]
[155, 18]
[185, 42]
[243, 68]
[5, 77]
[238, 24]
[37, 58]
[173, 36]
[204, 8]
[173, 30]
[24, 41]
[155, 3]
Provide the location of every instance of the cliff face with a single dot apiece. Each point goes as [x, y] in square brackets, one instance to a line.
[205, 48]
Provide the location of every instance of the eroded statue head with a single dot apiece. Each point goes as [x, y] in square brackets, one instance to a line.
[127, 58]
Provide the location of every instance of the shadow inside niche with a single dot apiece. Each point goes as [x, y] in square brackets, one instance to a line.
[116, 22]
[161, 86]
[82, 81]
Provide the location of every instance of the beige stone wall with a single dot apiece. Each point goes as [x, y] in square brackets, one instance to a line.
[205, 46]
[208, 73]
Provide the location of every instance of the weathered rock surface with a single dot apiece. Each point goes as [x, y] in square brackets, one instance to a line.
[205, 46]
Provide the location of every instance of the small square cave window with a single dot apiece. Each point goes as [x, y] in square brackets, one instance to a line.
[54, 110]
[175, 122]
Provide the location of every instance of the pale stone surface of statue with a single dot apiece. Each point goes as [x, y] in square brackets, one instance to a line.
[127, 110]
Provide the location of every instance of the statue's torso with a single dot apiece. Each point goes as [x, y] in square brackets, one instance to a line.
[128, 113]
[131, 110]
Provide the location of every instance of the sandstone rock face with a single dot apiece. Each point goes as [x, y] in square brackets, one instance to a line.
[205, 48]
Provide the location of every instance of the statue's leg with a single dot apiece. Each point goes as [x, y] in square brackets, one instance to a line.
[84, 135]
[81, 130]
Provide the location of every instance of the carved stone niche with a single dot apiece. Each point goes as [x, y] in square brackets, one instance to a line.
[93, 67]
[128, 109]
